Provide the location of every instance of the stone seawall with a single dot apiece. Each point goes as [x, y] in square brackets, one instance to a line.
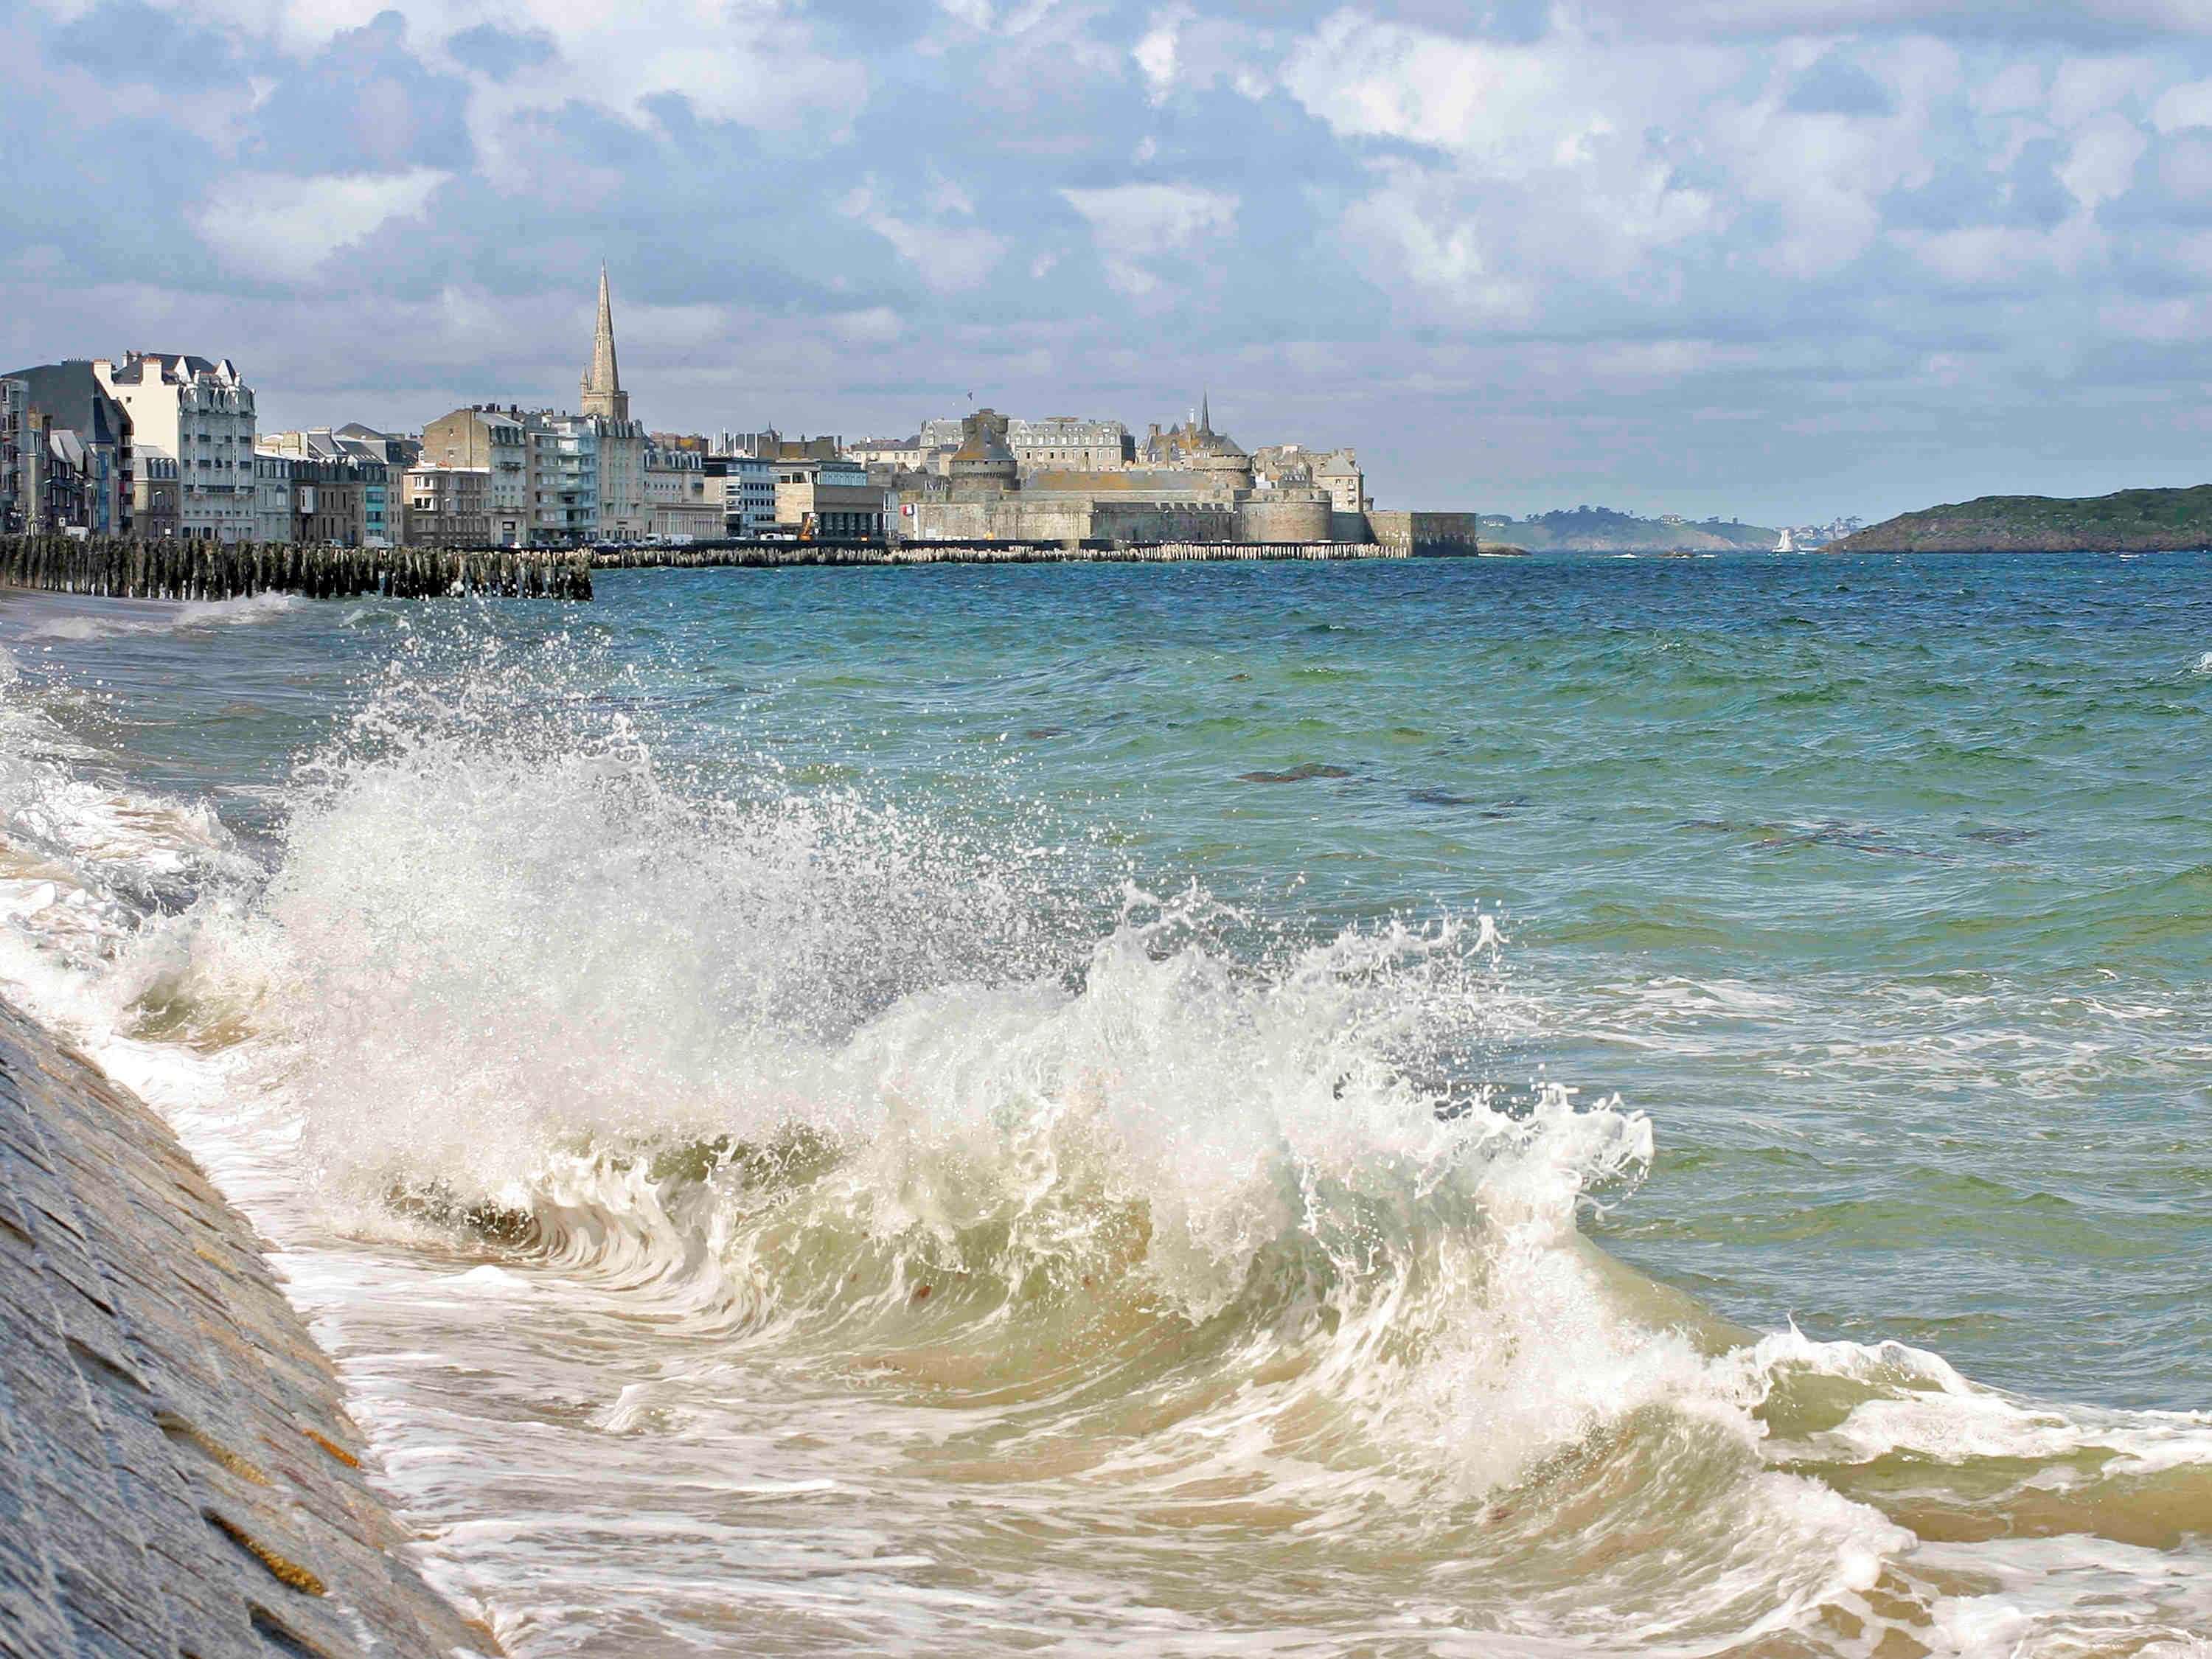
[778, 555]
[178, 1477]
[118, 566]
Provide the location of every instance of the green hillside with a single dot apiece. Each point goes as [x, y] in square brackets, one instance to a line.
[2131, 522]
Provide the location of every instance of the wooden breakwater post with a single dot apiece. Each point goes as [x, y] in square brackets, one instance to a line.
[776, 555]
[118, 566]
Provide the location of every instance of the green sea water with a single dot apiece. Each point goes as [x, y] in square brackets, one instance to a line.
[1877, 892]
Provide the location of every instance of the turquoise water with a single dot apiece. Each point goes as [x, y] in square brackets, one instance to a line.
[1877, 891]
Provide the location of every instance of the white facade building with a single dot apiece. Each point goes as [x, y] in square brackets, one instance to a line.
[748, 495]
[564, 477]
[200, 413]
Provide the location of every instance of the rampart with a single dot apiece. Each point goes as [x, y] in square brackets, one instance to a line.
[767, 556]
[125, 568]
[178, 1477]
[1427, 535]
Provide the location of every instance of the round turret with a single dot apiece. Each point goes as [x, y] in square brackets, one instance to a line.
[983, 461]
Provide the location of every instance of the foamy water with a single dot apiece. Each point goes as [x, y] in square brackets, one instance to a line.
[760, 1204]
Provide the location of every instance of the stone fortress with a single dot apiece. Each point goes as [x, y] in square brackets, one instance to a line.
[1072, 482]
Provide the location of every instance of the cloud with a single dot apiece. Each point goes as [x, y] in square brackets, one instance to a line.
[1135, 224]
[1572, 234]
[285, 225]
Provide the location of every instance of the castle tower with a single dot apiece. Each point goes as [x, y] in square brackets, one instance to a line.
[602, 390]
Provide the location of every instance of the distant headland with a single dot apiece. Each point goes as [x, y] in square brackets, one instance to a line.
[2127, 521]
[1603, 530]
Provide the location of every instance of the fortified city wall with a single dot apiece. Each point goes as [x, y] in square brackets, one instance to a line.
[177, 1475]
[1426, 535]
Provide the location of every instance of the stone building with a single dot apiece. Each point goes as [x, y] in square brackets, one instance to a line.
[1194, 484]
[601, 391]
[155, 493]
[276, 504]
[498, 440]
[830, 501]
[1068, 443]
[374, 465]
[678, 502]
[87, 461]
[197, 412]
[450, 506]
[901, 452]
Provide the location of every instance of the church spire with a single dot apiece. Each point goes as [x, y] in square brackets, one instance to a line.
[602, 389]
[1205, 411]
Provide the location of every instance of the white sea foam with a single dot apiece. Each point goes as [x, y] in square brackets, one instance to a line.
[121, 618]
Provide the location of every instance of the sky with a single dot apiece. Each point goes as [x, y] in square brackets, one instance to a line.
[1773, 259]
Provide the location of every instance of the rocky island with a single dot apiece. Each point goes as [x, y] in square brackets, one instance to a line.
[2128, 521]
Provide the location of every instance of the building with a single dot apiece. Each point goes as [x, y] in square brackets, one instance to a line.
[15, 421]
[1338, 473]
[198, 413]
[449, 506]
[1192, 484]
[276, 504]
[623, 442]
[329, 501]
[829, 501]
[748, 494]
[372, 467]
[155, 493]
[89, 476]
[678, 502]
[498, 440]
[903, 453]
[601, 393]
[1064, 442]
[564, 477]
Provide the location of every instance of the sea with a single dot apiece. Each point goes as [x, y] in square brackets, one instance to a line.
[1508, 1106]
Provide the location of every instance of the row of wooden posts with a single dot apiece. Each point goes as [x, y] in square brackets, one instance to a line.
[119, 567]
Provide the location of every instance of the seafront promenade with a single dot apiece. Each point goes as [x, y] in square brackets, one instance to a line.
[178, 1473]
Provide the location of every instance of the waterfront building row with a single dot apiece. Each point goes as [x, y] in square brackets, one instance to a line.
[164, 445]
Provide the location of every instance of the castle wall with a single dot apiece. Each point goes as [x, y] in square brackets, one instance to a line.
[1347, 526]
[1293, 520]
[999, 518]
[1155, 521]
[1426, 535]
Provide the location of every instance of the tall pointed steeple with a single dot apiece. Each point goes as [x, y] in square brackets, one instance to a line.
[1205, 411]
[602, 391]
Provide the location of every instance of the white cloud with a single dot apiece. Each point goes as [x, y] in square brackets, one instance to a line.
[1134, 223]
[1155, 53]
[2189, 105]
[283, 225]
[2102, 163]
[950, 259]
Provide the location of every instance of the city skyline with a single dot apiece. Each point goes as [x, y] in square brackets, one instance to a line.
[1786, 259]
